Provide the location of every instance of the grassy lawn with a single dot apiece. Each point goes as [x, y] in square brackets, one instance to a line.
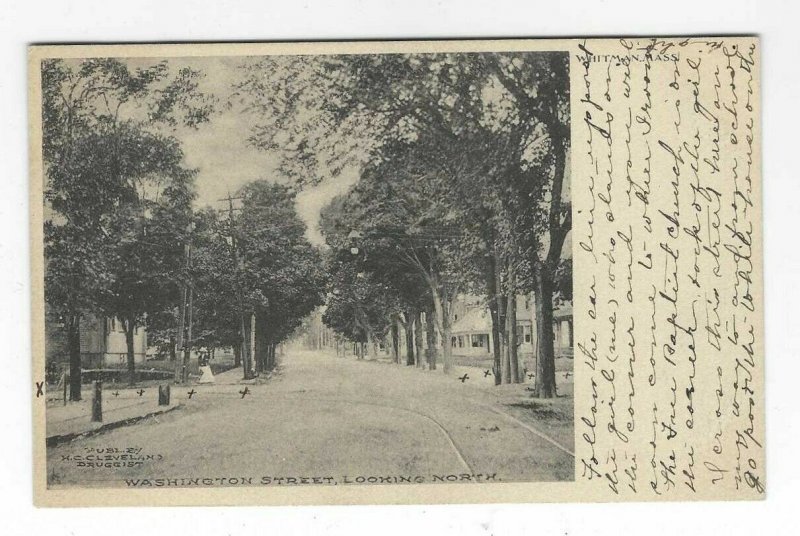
[554, 417]
[486, 361]
[152, 371]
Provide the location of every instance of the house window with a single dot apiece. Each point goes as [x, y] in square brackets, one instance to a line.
[113, 324]
[453, 342]
[569, 328]
[527, 335]
[480, 341]
[460, 341]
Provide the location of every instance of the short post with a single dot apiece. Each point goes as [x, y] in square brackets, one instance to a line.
[163, 395]
[65, 382]
[97, 402]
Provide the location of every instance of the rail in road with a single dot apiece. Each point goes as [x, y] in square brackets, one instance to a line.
[387, 405]
[305, 396]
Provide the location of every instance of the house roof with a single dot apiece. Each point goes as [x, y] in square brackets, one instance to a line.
[474, 319]
[477, 319]
[564, 311]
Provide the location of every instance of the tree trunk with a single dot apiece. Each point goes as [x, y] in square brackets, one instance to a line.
[443, 319]
[74, 344]
[447, 347]
[187, 355]
[245, 347]
[502, 327]
[172, 344]
[430, 336]
[507, 348]
[545, 384]
[395, 341]
[237, 355]
[252, 342]
[492, 286]
[370, 345]
[418, 339]
[261, 344]
[408, 327]
[181, 331]
[511, 316]
[130, 327]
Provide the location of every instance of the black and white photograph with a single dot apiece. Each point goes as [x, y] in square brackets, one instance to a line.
[347, 267]
[307, 270]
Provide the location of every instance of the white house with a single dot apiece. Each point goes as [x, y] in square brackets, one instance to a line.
[103, 343]
[472, 327]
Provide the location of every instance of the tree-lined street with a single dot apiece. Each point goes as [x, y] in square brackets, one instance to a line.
[458, 193]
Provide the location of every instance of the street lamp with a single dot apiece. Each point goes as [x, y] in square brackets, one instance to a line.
[354, 237]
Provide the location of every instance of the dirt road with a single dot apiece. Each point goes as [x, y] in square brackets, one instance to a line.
[324, 420]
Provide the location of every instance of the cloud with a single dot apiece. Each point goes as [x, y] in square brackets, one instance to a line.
[311, 201]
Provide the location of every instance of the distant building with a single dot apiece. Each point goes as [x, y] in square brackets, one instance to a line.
[102, 342]
[562, 326]
[472, 328]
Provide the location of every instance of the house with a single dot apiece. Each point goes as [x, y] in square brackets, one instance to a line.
[562, 326]
[102, 342]
[472, 328]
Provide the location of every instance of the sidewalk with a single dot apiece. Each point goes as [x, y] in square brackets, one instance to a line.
[128, 405]
[483, 377]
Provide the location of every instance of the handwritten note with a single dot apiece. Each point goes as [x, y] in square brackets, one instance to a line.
[667, 239]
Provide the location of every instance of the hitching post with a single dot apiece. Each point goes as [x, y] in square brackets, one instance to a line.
[163, 395]
[97, 402]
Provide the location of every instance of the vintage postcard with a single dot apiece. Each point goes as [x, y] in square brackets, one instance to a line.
[397, 272]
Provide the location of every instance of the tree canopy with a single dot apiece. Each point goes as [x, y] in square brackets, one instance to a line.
[462, 161]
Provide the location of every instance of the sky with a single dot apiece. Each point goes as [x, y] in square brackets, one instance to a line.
[219, 149]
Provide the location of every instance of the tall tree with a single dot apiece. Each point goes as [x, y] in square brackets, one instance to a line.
[146, 259]
[213, 276]
[282, 273]
[88, 108]
[497, 123]
[413, 241]
[538, 122]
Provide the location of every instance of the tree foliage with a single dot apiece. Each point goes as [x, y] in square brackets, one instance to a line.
[462, 159]
[115, 186]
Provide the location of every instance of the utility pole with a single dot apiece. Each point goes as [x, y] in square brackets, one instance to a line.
[188, 342]
[245, 351]
[252, 339]
[183, 337]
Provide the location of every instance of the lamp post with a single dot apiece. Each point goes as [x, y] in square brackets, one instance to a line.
[355, 238]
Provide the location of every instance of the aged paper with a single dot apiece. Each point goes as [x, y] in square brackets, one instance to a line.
[668, 233]
[397, 272]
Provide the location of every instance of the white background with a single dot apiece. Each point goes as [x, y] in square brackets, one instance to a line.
[24, 22]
